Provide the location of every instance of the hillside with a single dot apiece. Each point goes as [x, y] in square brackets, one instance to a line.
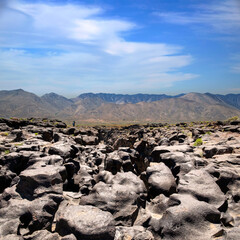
[166, 110]
[125, 98]
[106, 107]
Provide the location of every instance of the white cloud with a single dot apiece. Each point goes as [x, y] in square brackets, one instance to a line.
[235, 63]
[236, 68]
[222, 16]
[75, 46]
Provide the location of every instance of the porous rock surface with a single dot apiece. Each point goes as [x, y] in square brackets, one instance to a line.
[155, 181]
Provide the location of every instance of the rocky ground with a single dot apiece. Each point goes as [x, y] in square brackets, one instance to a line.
[139, 182]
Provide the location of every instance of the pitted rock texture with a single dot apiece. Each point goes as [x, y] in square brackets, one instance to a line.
[136, 182]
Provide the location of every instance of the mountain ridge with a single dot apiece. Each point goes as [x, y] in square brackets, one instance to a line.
[126, 98]
[120, 107]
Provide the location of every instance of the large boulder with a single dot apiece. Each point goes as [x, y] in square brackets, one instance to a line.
[160, 180]
[178, 162]
[86, 140]
[188, 219]
[85, 222]
[21, 216]
[39, 181]
[163, 149]
[113, 193]
[6, 177]
[210, 151]
[65, 150]
[201, 185]
[113, 162]
[15, 162]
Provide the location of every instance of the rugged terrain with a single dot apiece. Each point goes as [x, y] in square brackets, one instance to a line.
[147, 182]
[118, 108]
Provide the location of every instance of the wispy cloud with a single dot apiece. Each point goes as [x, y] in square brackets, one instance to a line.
[236, 65]
[222, 16]
[55, 46]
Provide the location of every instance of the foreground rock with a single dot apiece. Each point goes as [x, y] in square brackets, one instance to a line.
[137, 182]
[85, 222]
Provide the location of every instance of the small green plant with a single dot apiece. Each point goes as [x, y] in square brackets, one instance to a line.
[6, 151]
[198, 142]
[36, 134]
[208, 133]
[233, 118]
[4, 133]
[18, 144]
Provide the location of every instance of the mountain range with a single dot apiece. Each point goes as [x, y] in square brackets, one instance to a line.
[105, 107]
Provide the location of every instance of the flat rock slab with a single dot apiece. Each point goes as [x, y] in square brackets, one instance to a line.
[210, 151]
[163, 149]
[85, 222]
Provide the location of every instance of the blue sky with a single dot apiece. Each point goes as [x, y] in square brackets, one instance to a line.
[121, 46]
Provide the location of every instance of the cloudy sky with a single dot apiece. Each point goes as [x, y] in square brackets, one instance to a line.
[121, 46]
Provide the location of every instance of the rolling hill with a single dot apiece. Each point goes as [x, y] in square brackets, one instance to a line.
[119, 107]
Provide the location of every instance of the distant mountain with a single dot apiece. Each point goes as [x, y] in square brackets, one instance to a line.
[119, 107]
[165, 110]
[57, 101]
[19, 103]
[230, 99]
[125, 98]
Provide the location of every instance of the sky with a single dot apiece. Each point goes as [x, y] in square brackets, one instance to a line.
[120, 46]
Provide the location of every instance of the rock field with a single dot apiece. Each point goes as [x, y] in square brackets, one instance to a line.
[157, 181]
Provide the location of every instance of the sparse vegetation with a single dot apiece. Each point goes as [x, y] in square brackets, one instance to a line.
[233, 118]
[4, 134]
[18, 144]
[198, 142]
[6, 152]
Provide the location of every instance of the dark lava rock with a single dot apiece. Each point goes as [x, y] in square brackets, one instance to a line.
[113, 193]
[188, 219]
[202, 186]
[85, 222]
[160, 180]
[120, 183]
[36, 182]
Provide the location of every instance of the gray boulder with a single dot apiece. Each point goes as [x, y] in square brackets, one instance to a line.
[113, 193]
[163, 149]
[210, 151]
[34, 183]
[85, 222]
[189, 219]
[63, 149]
[201, 185]
[160, 180]
[20, 216]
[133, 233]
